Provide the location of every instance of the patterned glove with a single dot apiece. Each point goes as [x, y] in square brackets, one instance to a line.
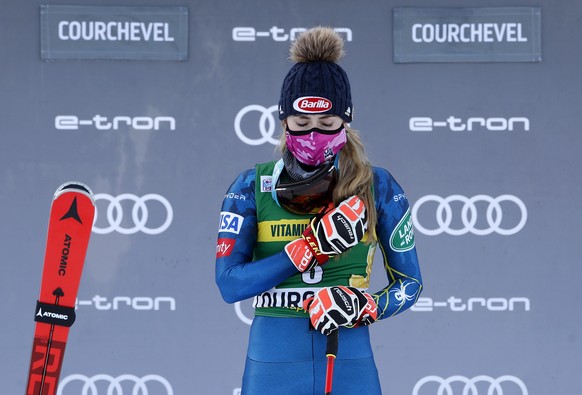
[305, 252]
[331, 232]
[303, 255]
[337, 306]
[341, 228]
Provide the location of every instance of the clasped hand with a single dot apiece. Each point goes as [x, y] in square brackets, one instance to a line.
[332, 307]
[330, 233]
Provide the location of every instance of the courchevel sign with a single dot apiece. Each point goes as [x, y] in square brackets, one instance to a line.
[114, 33]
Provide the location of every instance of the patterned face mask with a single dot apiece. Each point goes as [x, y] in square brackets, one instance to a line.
[315, 146]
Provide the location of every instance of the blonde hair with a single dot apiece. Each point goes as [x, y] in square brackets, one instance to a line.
[355, 175]
[323, 44]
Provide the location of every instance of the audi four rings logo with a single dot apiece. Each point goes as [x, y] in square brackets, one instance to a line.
[469, 215]
[103, 384]
[241, 315]
[139, 214]
[478, 385]
[267, 125]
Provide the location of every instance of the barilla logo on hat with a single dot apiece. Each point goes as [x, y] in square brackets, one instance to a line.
[312, 104]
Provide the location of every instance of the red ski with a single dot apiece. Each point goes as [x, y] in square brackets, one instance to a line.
[69, 230]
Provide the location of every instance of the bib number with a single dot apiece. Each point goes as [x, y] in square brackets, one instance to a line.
[313, 276]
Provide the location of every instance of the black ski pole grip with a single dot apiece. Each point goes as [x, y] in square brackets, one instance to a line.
[332, 343]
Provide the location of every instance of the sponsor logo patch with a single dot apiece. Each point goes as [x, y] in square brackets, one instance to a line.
[402, 238]
[266, 183]
[312, 104]
[283, 230]
[224, 247]
[230, 222]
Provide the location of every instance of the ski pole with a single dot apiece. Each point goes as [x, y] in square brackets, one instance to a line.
[330, 353]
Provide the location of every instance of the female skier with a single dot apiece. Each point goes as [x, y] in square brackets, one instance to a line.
[299, 235]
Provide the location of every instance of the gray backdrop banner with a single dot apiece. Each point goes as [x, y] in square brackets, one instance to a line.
[488, 154]
[488, 34]
[114, 33]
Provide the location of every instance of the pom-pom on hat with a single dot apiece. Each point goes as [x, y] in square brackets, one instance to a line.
[316, 84]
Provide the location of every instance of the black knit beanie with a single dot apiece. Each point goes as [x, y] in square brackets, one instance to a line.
[316, 84]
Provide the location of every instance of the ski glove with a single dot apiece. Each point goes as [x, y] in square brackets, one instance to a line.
[341, 228]
[304, 255]
[305, 252]
[331, 232]
[337, 306]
